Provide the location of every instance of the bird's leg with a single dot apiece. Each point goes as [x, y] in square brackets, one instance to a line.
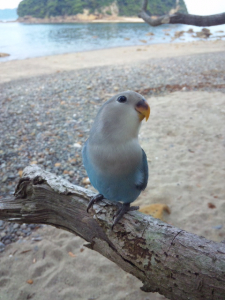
[121, 211]
[94, 199]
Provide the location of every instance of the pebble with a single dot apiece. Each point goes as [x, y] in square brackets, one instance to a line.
[2, 247]
[48, 118]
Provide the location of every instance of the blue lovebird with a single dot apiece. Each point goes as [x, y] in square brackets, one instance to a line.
[115, 163]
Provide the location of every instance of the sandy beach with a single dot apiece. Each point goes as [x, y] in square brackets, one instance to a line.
[18, 69]
[184, 140]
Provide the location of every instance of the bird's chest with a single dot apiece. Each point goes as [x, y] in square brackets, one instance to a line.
[116, 160]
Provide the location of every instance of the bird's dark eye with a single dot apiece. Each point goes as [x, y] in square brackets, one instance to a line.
[122, 99]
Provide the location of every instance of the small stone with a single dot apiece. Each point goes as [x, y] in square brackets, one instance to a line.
[30, 281]
[72, 161]
[150, 33]
[4, 179]
[36, 239]
[20, 173]
[211, 205]
[11, 176]
[7, 242]
[86, 180]
[57, 165]
[77, 145]
[217, 227]
[2, 234]
[15, 226]
[71, 173]
[2, 247]
[41, 160]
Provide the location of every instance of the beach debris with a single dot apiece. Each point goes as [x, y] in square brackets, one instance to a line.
[190, 30]
[30, 281]
[4, 54]
[150, 33]
[143, 41]
[71, 254]
[211, 205]
[178, 34]
[191, 151]
[126, 39]
[25, 251]
[204, 33]
[155, 210]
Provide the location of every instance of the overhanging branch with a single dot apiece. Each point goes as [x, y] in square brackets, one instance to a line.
[179, 18]
[167, 260]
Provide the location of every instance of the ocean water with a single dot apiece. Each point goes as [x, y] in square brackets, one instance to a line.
[8, 14]
[33, 40]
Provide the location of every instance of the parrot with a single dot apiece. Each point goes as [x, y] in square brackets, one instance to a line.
[115, 163]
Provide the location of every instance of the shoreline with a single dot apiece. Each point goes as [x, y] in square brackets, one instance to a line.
[76, 19]
[19, 69]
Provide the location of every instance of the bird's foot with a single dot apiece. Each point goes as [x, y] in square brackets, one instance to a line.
[121, 211]
[94, 199]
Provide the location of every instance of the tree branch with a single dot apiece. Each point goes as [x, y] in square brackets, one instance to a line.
[179, 18]
[167, 260]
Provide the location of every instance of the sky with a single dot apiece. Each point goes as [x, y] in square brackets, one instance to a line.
[198, 7]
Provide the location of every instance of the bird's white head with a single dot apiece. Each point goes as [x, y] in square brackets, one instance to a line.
[120, 117]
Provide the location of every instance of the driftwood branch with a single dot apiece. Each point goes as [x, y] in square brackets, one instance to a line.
[175, 263]
[179, 18]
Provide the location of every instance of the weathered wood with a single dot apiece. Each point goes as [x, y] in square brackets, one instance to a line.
[175, 263]
[179, 18]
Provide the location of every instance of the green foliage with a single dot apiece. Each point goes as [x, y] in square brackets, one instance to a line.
[47, 8]
[129, 7]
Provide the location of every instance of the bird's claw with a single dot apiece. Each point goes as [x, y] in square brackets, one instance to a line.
[94, 199]
[121, 211]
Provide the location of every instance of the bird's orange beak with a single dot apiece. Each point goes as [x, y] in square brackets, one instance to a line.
[143, 109]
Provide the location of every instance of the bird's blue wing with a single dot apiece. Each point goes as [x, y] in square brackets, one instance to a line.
[142, 179]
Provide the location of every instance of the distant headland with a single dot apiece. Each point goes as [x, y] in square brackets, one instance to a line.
[87, 11]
